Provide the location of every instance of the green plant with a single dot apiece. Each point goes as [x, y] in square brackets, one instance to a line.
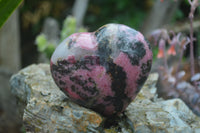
[128, 12]
[6, 9]
[47, 47]
[69, 27]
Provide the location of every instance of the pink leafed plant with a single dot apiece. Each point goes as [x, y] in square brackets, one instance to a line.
[181, 79]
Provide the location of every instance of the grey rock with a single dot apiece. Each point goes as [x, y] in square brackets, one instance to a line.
[51, 29]
[48, 110]
[149, 112]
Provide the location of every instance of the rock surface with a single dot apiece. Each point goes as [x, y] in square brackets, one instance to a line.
[47, 109]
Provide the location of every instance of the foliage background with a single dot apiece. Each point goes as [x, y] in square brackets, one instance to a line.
[99, 12]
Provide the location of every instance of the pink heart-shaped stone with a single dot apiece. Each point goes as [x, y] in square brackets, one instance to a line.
[102, 70]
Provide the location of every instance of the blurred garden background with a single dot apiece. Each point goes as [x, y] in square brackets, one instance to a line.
[36, 27]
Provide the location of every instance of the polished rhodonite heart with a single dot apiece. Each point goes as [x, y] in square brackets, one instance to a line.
[102, 70]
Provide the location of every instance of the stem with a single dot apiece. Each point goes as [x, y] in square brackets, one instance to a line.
[191, 47]
[178, 67]
[165, 60]
[180, 60]
[194, 4]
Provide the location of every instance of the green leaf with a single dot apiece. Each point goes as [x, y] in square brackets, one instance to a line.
[49, 50]
[41, 42]
[69, 27]
[6, 9]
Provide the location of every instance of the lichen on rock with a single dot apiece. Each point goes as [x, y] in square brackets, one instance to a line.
[48, 110]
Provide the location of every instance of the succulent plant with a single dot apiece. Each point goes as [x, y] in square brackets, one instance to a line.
[102, 70]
